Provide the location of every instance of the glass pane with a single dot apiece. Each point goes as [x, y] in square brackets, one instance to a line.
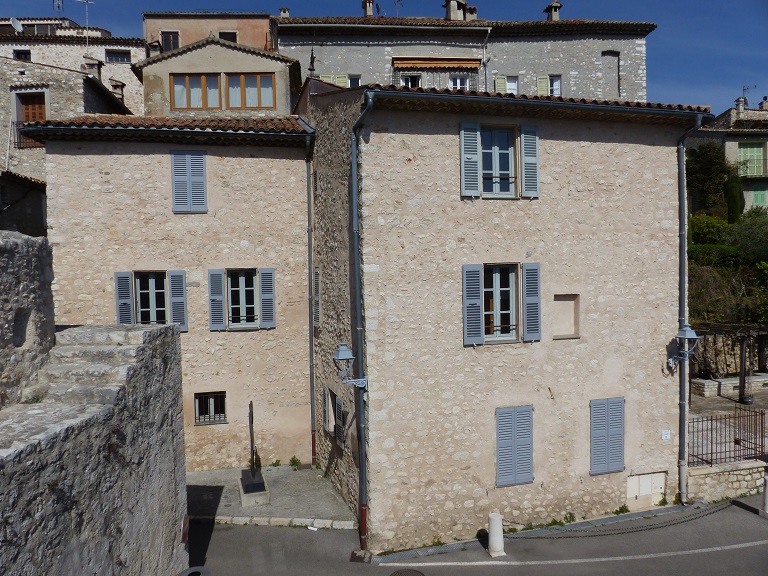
[212, 91]
[195, 92]
[505, 327]
[234, 92]
[267, 92]
[179, 92]
[251, 92]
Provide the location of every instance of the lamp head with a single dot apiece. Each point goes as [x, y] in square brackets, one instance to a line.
[342, 359]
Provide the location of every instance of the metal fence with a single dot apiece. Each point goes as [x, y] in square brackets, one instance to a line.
[20, 141]
[725, 438]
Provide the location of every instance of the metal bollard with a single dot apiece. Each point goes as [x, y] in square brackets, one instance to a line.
[495, 535]
[765, 494]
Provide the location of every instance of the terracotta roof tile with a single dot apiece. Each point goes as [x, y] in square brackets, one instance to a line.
[265, 125]
[213, 40]
[93, 40]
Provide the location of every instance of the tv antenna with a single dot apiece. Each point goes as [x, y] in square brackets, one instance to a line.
[87, 33]
[398, 5]
[744, 89]
[58, 5]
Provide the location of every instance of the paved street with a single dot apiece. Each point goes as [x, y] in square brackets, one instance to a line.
[718, 540]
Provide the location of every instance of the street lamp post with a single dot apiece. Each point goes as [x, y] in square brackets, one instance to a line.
[684, 353]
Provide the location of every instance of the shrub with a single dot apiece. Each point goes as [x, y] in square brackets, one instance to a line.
[705, 229]
[714, 255]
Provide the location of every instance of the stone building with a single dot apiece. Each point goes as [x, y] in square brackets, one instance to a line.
[200, 222]
[552, 57]
[518, 267]
[166, 31]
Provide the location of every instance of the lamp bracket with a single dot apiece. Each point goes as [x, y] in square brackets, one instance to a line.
[357, 382]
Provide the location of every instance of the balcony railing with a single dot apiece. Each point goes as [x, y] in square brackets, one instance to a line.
[20, 141]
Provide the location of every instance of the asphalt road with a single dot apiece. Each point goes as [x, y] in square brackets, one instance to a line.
[728, 541]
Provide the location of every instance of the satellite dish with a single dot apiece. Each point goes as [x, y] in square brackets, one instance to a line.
[17, 25]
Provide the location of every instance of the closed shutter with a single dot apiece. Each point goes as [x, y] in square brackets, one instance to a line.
[124, 297]
[472, 286]
[396, 76]
[178, 298]
[326, 78]
[542, 86]
[316, 298]
[606, 435]
[514, 445]
[473, 79]
[188, 181]
[338, 428]
[267, 298]
[470, 160]
[342, 80]
[500, 84]
[217, 317]
[531, 301]
[529, 137]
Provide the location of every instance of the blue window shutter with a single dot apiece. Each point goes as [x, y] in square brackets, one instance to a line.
[267, 297]
[598, 432]
[188, 181]
[529, 139]
[615, 434]
[177, 281]
[326, 424]
[124, 297]
[472, 285]
[180, 181]
[514, 445]
[198, 193]
[217, 318]
[531, 301]
[338, 428]
[470, 160]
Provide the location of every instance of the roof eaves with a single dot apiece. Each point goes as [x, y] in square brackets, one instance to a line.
[206, 42]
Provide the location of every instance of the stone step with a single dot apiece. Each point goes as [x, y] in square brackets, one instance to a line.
[87, 374]
[76, 393]
[101, 335]
[94, 354]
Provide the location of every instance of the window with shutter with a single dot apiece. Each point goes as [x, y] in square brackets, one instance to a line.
[124, 297]
[339, 421]
[178, 298]
[514, 445]
[542, 86]
[188, 181]
[241, 299]
[316, 298]
[151, 298]
[606, 435]
[531, 302]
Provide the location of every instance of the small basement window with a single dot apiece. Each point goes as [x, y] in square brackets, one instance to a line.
[211, 408]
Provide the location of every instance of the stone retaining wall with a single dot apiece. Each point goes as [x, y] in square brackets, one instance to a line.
[713, 483]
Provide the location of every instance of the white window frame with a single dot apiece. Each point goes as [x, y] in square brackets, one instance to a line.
[753, 161]
[214, 414]
[555, 85]
[242, 291]
[354, 81]
[458, 82]
[494, 314]
[495, 153]
[512, 84]
[407, 80]
[152, 290]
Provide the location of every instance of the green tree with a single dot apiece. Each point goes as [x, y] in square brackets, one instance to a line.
[713, 184]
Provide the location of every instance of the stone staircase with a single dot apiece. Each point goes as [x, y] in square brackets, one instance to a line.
[89, 365]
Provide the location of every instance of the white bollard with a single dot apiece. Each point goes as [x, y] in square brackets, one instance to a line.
[495, 535]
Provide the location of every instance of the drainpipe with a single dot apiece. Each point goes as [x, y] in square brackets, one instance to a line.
[357, 301]
[485, 60]
[682, 462]
[311, 300]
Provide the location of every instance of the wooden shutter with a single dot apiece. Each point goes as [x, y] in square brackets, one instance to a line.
[514, 445]
[124, 297]
[217, 316]
[500, 84]
[338, 428]
[316, 298]
[198, 194]
[267, 298]
[472, 286]
[177, 282]
[32, 106]
[470, 160]
[606, 435]
[188, 181]
[326, 420]
[531, 301]
[542, 86]
[529, 140]
[343, 80]
[326, 78]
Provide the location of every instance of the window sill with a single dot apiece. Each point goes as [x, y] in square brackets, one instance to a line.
[494, 341]
[566, 337]
[607, 472]
[190, 211]
[211, 423]
[247, 328]
[514, 484]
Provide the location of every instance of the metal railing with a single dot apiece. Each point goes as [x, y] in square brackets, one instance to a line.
[726, 438]
[20, 141]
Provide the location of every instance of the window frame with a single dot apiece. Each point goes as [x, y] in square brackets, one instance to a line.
[513, 135]
[455, 82]
[22, 54]
[220, 32]
[188, 94]
[219, 416]
[220, 298]
[152, 290]
[110, 54]
[128, 298]
[355, 81]
[746, 160]
[496, 313]
[516, 80]
[242, 291]
[242, 76]
[410, 76]
[175, 38]
[555, 85]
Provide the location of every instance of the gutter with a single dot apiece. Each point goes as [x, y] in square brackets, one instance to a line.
[357, 301]
[682, 461]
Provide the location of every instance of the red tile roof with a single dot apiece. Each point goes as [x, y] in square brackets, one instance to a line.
[213, 40]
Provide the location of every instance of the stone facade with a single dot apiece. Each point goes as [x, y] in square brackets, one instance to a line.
[603, 229]
[250, 29]
[713, 483]
[257, 217]
[26, 312]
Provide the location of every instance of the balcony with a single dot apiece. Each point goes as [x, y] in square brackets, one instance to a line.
[20, 141]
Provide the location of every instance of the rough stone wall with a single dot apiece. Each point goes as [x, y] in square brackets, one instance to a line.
[578, 60]
[712, 483]
[26, 312]
[95, 489]
[71, 56]
[106, 217]
[251, 30]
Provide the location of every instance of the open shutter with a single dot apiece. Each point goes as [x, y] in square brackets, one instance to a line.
[198, 194]
[531, 301]
[178, 298]
[470, 160]
[615, 434]
[267, 297]
[598, 436]
[500, 84]
[514, 445]
[529, 139]
[124, 297]
[217, 317]
[542, 86]
[472, 286]
[396, 76]
[326, 420]
[338, 428]
[180, 181]
[316, 298]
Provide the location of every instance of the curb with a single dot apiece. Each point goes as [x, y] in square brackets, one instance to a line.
[275, 521]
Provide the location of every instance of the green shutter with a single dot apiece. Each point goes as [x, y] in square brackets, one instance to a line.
[178, 298]
[124, 297]
[470, 160]
[267, 298]
[342, 80]
[542, 86]
[217, 315]
[326, 78]
[500, 84]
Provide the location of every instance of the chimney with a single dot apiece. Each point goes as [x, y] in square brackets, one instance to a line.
[764, 104]
[368, 7]
[452, 11]
[740, 105]
[118, 89]
[471, 13]
[553, 11]
[285, 13]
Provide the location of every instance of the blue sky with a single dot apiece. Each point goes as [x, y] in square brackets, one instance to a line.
[703, 51]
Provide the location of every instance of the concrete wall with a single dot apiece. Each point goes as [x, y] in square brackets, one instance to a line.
[252, 30]
[604, 228]
[214, 59]
[69, 55]
[585, 71]
[713, 483]
[109, 210]
[96, 489]
[26, 312]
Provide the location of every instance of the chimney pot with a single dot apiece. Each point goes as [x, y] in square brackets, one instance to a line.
[471, 13]
[285, 13]
[455, 10]
[553, 11]
[368, 7]
[764, 104]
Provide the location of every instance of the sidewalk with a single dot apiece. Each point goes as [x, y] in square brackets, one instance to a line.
[301, 497]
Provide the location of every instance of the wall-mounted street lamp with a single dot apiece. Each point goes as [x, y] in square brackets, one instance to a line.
[684, 335]
[343, 359]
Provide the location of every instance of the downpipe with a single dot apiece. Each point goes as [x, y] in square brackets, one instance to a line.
[311, 300]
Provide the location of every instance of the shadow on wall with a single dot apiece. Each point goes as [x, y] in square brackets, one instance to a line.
[202, 502]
